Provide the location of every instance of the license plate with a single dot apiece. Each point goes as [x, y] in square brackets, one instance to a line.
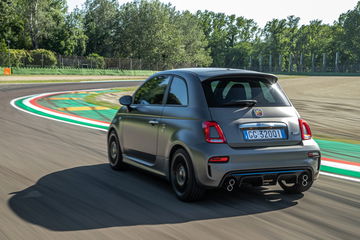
[264, 134]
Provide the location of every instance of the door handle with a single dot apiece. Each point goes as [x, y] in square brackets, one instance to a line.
[154, 122]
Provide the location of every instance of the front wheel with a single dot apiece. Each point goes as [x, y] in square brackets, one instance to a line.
[182, 178]
[303, 184]
[114, 152]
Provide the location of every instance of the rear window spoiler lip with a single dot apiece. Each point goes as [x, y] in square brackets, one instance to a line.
[270, 77]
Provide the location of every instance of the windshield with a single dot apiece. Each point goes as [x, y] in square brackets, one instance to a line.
[230, 91]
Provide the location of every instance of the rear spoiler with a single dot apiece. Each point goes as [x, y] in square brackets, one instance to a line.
[270, 77]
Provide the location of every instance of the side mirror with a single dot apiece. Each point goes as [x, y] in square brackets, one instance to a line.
[126, 100]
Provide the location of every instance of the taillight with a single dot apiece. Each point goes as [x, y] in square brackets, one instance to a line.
[305, 130]
[213, 132]
[223, 159]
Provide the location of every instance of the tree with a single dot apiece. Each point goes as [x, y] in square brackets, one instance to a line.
[74, 38]
[44, 22]
[155, 32]
[12, 25]
[349, 36]
[101, 18]
[193, 40]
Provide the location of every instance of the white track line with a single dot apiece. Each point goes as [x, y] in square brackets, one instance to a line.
[340, 165]
[54, 119]
[28, 104]
[12, 103]
[340, 176]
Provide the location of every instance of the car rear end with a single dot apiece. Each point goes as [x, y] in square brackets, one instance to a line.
[254, 135]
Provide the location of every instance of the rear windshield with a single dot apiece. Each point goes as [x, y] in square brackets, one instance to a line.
[223, 92]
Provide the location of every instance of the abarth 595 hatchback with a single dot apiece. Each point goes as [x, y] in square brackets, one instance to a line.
[207, 128]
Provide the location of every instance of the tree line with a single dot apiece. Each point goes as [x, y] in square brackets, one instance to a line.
[158, 33]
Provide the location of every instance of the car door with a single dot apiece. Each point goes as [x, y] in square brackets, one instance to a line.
[141, 124]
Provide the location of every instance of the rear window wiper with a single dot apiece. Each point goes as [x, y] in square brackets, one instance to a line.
[247, 103]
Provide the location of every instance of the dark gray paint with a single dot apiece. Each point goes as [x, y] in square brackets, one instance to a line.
[182, 126]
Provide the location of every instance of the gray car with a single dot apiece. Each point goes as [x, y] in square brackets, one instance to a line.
[205, 128]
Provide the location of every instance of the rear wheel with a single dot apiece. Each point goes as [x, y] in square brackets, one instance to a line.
[182, 178]
[114, 152]
[303, 184]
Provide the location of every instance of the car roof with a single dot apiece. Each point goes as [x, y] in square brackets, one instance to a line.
[210, 73]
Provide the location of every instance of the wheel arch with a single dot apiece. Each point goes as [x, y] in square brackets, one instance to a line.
[172, 151]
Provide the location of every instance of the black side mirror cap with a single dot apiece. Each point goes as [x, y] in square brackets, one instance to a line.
[126, 100]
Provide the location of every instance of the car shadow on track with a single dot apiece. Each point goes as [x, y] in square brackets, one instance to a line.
[93, 197]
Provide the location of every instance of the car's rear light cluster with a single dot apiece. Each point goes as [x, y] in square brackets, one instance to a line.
[223, 159]
[305, 130]
[213, 132]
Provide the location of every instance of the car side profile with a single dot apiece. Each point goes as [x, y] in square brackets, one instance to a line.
[207, 128]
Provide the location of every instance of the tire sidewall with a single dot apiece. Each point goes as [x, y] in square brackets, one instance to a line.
[113, 137]
[190, 178]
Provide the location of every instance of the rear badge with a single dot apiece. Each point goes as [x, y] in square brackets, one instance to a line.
[258, 112]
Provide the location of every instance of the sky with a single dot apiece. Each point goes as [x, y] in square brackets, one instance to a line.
[262, 11]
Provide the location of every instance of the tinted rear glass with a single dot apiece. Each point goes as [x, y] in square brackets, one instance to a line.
[220, 92]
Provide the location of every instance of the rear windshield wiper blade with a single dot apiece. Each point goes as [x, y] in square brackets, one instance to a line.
[248, 103]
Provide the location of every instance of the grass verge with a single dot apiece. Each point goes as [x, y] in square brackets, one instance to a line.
[327, 138]
[78, 71]
[94, 98]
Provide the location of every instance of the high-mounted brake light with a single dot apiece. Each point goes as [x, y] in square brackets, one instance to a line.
[305, 130]
[223, 159]
[213, 132]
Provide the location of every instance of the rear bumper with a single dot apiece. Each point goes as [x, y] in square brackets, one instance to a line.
[260, 177]
[251, 161]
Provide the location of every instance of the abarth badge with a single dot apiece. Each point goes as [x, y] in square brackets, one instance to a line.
[258, 112]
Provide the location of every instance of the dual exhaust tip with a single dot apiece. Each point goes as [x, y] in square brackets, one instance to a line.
[231, 182]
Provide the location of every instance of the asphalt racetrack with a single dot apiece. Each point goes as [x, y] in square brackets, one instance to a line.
[55, 184]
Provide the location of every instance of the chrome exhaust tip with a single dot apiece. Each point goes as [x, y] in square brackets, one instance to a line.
[230, 184]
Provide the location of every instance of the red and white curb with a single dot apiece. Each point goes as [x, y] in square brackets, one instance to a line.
[31, 102]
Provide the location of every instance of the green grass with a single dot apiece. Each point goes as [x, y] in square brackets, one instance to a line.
[282, 76]
[92, 98]
[328, 138]
[117, 72]
[78, 71]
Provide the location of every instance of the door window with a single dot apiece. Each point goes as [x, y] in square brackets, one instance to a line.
[152, 91]
[178, 94]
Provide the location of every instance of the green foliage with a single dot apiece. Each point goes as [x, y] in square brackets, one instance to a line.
[161, 36]
[80, 71]
[19, 57]
[73, 40]
[96, 60]
[43, 57]
[100, 22]
[349, 33]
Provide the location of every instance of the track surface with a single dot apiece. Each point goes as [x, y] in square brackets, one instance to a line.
[55, 184]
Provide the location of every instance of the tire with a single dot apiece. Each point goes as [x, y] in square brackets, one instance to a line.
[303, 184]
[114, 152]
[182, 178]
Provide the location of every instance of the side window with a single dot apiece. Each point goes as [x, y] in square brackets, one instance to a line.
[152, 92]
[178, 94]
